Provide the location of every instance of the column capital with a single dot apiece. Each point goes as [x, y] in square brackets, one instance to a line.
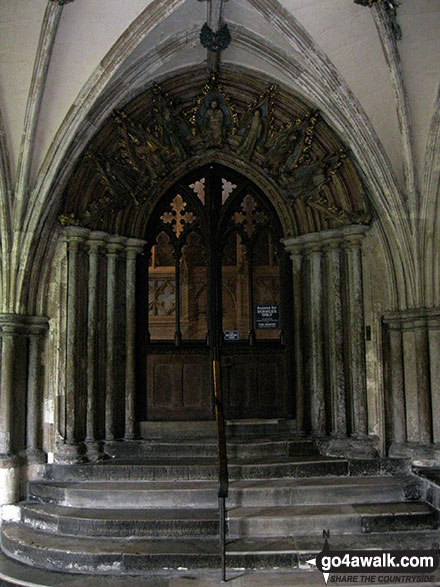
[354, 234]
[313, 248]
[333, 244]
[413, 318]
[23, 324]
[96, 240]
[76, 233]
[333, 237]
[293, 244]
[115, 244]
[133, 246]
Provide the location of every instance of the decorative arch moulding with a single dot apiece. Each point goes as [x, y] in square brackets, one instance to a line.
[233, 118]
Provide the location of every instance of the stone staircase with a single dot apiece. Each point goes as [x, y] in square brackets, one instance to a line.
[153, 506]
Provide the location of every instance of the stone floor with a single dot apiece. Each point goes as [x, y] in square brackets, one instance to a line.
[14, 573]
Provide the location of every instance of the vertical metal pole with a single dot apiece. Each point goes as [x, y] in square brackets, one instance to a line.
[222, 512]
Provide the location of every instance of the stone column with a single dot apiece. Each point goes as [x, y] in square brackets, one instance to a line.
[353, 236]
[315, 368]
[114, 246]
[70, 452]
[95, 242]
[33, 453]
[395, 408]
[294, 249]
[8, 358]
[414, 383]
[423, 388]
[18, 387]
[132, 247]
[410, 377]
[335, 338]
[434, 371]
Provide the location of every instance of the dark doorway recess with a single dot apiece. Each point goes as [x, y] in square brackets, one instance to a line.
[219, 287]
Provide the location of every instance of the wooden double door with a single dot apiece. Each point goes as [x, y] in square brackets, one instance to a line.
[218, 288]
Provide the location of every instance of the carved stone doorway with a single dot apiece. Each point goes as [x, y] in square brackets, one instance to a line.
[218, 282]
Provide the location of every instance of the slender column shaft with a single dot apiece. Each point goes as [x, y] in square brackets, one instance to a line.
[316, 360]
[410, 378]
[298, 351]
[75, 236]
[113, 248]
[95, 242]
[396, 409]
[33, 419]
[424, 400]
[356, 335]
[434, 361]
[37, 329]
[9, 338]
[336, 339]
[133, 247]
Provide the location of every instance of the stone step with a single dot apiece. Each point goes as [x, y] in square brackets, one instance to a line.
[242, 521]
[260, 492]
[205, 429]
[120, 522]
[198, 468]
[258, 428]
[137, 556]
[131, 556]
[237, 448]
[341, 519]
[126, 494]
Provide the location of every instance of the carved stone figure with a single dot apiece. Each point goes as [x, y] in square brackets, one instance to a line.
[308, 179]
[116, 181]
[140, 148]
[214, 125]
[173, 134]
[254, 133]
[215, 41]
[278, 149]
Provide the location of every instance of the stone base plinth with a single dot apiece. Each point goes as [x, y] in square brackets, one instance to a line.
[9, 479]
[95, 451]
[420, 455]
[351, 448]
[33, 456]
[70, 453]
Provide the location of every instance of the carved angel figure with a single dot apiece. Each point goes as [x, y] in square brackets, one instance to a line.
[171, 129]
[278, 150]
[215, 41]
[308, 179]
[140, 148]
[253, 135]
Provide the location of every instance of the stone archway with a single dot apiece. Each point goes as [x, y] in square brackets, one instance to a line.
[288, 150]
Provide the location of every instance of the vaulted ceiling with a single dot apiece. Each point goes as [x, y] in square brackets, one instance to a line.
[66, 65]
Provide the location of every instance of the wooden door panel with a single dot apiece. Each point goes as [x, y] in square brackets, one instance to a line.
[196, 384]
[167, 384]
[242, 382]
[178, 387]
[270, 382]
[254, 385]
